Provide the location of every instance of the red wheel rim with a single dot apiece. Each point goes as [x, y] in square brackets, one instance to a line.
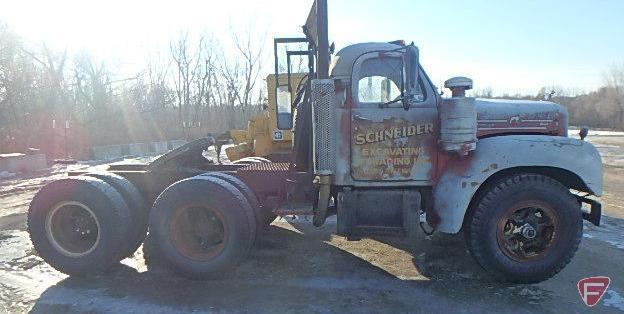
[528, 230]
[198, 232]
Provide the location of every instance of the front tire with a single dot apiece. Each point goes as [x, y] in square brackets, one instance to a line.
[525, 229]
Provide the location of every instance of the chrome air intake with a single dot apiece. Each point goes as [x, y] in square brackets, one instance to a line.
[324, 126]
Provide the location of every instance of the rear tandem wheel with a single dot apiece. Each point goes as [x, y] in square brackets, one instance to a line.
[201, 227]
[264, 217]
[137, 206]
[77, 225]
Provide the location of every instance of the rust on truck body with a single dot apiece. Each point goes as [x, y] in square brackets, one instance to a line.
[499, 116]
[392, 149]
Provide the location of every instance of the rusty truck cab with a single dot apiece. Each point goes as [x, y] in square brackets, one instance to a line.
[380, 141]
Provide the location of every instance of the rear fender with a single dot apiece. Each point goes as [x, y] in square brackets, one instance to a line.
[461, 177]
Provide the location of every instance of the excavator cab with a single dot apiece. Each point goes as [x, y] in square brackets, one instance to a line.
[293, 57]
[269, 134]
[263, 138]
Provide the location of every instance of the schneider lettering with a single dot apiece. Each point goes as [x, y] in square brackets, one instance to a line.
[393, 133]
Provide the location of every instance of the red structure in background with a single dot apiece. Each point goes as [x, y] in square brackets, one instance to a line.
[54, 134]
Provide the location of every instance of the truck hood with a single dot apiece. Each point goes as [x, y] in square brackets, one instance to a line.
[502, 116]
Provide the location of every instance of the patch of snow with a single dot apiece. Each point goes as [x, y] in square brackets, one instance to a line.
[611, 231]
[614, 300]
[136, 160]
[610, 145]
[574, 132]
[613, 156]
[6, 174]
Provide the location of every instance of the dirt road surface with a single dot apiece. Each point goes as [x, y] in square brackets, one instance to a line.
[296, 267]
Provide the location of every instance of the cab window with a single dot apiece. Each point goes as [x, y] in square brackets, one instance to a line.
[284, 108]
[381, 80]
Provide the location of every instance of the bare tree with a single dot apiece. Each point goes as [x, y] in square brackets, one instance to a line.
[195, 79]
[615, 82]
[92, 84]
[53, 76]
[251, 52]
[483, 93]
[181, 54]
[240, 74]
[17, 89]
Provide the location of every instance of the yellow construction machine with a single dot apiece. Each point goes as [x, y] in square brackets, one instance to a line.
[262, 138]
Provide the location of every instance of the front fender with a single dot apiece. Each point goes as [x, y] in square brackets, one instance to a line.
[461, 177]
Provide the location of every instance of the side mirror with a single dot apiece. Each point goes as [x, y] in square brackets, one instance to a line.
[583, 133]
[411, 75]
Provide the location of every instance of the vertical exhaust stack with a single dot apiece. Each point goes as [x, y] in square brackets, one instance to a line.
[315, 29]
[322, 99]
[458, 118]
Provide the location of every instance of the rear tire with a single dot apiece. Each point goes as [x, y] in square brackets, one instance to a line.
[263, 217]
[136, 204]
[77, 225]
[525, 229]
[201, 227]
[153, 262]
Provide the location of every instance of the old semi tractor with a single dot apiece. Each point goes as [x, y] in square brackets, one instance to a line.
[376, 145]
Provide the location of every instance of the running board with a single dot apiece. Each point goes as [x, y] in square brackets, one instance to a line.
[300, 209]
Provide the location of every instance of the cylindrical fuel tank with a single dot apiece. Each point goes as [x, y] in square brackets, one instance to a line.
[458, 129]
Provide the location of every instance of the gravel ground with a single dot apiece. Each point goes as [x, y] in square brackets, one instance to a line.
[297, 267]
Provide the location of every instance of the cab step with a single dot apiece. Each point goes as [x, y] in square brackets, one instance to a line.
[301, 209]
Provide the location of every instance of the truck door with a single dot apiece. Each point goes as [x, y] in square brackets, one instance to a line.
[389, 143]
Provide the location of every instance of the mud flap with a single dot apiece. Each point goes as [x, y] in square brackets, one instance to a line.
[595, 211]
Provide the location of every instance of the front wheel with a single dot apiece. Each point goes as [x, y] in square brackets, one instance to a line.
[525, 229]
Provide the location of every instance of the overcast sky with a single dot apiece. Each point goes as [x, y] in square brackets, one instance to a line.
[509, 46]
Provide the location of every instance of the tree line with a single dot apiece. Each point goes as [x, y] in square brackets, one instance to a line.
[65, 103]
[601, 108]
